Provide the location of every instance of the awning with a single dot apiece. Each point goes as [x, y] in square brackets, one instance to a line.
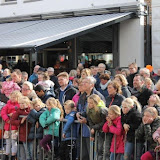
[44, 33]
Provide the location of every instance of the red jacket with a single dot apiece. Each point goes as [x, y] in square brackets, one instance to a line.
[118, 132]
[10, 107]
[23, 128]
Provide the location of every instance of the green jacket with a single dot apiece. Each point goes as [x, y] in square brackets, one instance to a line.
[48, 121]
[145, 132]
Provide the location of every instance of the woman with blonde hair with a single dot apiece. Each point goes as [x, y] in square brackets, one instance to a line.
[131, 119]
[96, 114]
[121, 79]
[85, 73]
[136, 103]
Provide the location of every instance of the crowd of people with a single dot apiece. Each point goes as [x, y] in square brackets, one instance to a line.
[118, 114]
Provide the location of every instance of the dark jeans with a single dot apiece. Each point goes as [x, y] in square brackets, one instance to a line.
[65, 150]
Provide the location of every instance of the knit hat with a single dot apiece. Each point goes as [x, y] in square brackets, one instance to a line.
[149, 67]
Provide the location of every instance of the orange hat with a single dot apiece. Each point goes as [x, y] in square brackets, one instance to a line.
[149, 67]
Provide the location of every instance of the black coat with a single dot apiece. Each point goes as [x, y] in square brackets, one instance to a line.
[47, 95]
[116, 100]
[32, 118]
[142, 96]
[130, 79]
[55, 80]
[69, 92]
[133, 118]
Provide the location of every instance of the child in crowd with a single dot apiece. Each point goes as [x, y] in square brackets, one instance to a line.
[9, 86]
[36, 110]
[53, 113]
[96, 114]
[149, 84]
[154, 101]
[150, 123]
[24, 127]
[113, 125]
[11, 131]
[156, 138]
[44, 80]
[130, 119]
[69, 132]
[136, 103]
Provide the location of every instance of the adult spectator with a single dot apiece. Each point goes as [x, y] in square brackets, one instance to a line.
[85, 73]
[157, 77]
[42, 93]
[88, 89]
[140, 91]
[1, 71]
[72, 75]
[104, 80]
[94, 70]
[6, 74]
[40, 71]
[24, 76]
[101, 70]
[66, 91]
[120, 78]
[79, 70]
[34, 74]
[53, 78]
[118, 70]
[17, 77]
[133, 69]
[125, 72]
[144, 72]
[115, 97]
[27, 90]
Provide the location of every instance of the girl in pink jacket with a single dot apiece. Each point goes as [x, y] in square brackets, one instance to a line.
[113, 125]
[6, 114]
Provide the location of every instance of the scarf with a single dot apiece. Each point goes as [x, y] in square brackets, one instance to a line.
[104, 86]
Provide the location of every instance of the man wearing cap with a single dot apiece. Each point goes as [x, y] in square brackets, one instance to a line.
[53, 78]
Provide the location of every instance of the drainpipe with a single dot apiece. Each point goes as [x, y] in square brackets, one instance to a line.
[148, 41]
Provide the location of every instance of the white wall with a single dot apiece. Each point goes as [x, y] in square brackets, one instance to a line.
[131, 42]
[156, 34]
[29, 7]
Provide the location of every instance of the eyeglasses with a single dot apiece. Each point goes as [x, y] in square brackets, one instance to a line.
[25, 89]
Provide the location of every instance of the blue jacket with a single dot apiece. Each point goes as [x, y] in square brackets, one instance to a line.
[47, 119]
[70, 126]
[32, 77]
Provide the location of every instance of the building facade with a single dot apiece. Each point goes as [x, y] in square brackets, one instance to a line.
[156, 34]
[53, 30]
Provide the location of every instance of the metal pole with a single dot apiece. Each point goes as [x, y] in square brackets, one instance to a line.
[81, 142]
[52, 143]
[104, 151]
[115, 137]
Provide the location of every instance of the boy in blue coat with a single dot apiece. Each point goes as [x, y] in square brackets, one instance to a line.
[69, 132]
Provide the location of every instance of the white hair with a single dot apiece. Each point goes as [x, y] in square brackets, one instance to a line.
[91, 79]
[29, 84]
